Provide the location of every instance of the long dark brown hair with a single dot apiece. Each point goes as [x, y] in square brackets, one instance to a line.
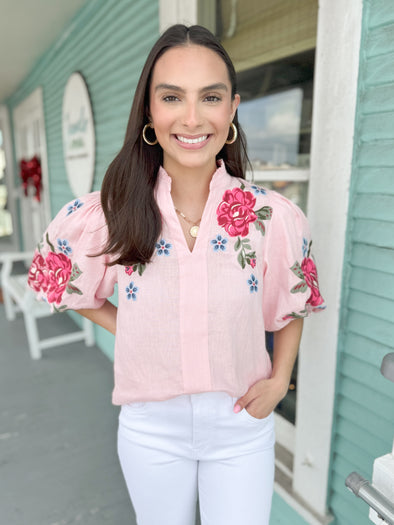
[127, 193]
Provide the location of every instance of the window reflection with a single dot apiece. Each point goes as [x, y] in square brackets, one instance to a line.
[272, 126]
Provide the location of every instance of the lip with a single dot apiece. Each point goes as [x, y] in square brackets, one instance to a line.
[192, 141]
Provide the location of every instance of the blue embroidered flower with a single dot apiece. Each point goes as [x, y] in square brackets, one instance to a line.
[219, 244]
[64, 247]
[253, 282]
[131, 291]
[304, 247]
[258, 190]
[163, 247]
[74, 206]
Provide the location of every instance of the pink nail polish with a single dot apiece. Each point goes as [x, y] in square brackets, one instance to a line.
[237, 409]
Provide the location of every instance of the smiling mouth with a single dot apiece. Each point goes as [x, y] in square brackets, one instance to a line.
[192, 141]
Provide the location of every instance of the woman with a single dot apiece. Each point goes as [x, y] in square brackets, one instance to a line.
[205, 263]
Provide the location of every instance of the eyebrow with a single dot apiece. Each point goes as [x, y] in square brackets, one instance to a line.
[171, 87]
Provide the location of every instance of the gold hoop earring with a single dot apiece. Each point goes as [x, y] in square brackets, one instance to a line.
[149, 125]
[235, 134]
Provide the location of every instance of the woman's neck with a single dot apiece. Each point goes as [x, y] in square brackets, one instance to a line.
[190, 189]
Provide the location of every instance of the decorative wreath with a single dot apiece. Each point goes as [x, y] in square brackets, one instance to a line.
[31, 175]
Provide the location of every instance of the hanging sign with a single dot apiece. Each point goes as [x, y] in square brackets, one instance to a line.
[78, 135]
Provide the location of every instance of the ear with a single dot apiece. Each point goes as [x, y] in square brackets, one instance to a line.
[234, 105]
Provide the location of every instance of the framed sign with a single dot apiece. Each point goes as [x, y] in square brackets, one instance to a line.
[78, 135]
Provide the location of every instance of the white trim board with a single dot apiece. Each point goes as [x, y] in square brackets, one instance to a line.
[335, 95]
[13, 243]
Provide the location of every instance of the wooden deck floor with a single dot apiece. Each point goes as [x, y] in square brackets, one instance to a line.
[58, 460]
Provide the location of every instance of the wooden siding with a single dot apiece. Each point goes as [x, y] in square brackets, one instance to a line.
[364, 414]
[108, 42]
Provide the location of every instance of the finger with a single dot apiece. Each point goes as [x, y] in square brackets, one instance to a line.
[244, 401]
[250, 395]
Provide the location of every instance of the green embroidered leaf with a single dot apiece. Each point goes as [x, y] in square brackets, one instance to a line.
[245, 244]
[242, 186]
[237, 245]
[140, 268]
[241, 260]
[251, 255]
[61, 309]
[300, 287]
[294, 315]
[296, 269]
[264, 213]
[75, 272]
[73, 289]
[49, 243]
[309, 249]
[260, 226]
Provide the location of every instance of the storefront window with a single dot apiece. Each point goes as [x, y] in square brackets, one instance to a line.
[272, 44]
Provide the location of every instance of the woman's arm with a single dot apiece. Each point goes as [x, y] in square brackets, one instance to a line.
[104, 316]
[262, 397]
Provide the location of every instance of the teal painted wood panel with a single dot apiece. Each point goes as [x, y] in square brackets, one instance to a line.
[381, 13]
[377, 100]
[374, 232]
[373, 257]
[107, 42]
[377, 126]
[366, 350]
[370, 304]
[379, 70]
[364, 408]
[376, 153]
[349, 456]
[283, 514]
[373, 282]
[375, 207]
[371, 328]
[380, 40]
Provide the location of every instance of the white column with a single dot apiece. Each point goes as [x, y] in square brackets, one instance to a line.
[335, 94]
[177, 12]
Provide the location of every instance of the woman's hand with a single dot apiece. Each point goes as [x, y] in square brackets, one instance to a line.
[262, 398]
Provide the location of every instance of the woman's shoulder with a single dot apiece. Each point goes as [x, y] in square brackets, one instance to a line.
[88, 203]
[266, 197]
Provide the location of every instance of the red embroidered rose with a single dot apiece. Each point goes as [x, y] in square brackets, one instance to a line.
[58, 274]
[253, 263]
[235, 212]
[308, 268]
[36, 277]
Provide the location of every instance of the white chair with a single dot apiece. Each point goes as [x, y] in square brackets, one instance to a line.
[19, 297]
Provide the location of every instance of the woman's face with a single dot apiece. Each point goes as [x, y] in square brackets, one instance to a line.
[191, 107]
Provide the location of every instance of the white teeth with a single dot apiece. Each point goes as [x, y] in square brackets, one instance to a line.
[192, 141]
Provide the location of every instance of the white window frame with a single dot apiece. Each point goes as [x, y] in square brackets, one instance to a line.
[28, 116]
[334, 110]
[11, 244]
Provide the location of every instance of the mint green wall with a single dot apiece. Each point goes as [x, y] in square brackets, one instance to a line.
[364, 413]
[107, 41]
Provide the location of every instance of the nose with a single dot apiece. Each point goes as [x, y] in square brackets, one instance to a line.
[192, 117]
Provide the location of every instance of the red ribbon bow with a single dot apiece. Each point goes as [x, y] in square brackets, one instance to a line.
[31, 175]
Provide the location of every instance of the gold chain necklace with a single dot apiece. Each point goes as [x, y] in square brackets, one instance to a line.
[195, 224]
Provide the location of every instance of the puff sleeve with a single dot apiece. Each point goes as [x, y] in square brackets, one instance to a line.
[291, 288]
[63, 271]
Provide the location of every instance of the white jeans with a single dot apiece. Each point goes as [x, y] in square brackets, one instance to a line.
[170, 451]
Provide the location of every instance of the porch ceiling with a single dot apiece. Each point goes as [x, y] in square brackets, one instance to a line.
[27, 29]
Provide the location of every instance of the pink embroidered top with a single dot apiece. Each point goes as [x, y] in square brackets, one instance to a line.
[188, 322]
